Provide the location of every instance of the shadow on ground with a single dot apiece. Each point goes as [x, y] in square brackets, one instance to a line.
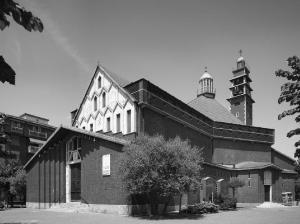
[171, 216]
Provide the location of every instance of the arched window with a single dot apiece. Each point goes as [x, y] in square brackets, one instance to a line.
[99, 82]
[95, 103]
[103, 99]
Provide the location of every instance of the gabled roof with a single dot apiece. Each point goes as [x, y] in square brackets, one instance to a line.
[284, 155]
[62, 130]
[213, 109]
[118, 80]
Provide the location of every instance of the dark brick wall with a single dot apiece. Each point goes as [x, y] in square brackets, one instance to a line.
[282, 161]
[249, 112]
[96, 188]
[288, 183]
[232, 152]
[249, 194]
[156, 123]
[32, 179]
[46, 177]
[238, 106]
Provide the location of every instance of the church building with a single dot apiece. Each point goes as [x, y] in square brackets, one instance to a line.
[80, 163]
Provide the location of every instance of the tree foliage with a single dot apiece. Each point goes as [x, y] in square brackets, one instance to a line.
[290, 93]
[9, 8]
[161, 168]
[12, 177]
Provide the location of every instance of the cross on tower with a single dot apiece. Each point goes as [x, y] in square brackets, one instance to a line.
[240, 51]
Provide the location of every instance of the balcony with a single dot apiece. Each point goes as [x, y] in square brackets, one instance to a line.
[17, 129]
[37, 134]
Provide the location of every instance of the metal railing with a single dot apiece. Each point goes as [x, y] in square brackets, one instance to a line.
[17, 129]
[37, 134]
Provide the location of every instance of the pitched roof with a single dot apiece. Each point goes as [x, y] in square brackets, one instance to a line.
[64, 130]
[121, 82]
[213, 109]
[117, 78]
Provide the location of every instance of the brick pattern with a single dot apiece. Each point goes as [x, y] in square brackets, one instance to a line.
[232, 152]
[46, 177]
[96, 188]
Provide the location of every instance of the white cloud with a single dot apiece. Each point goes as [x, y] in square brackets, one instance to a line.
[58, 36]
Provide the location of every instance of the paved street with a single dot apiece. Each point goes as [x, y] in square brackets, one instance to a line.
[244, 216]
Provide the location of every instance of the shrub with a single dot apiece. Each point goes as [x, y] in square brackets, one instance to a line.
[226, 202]
[200, 208]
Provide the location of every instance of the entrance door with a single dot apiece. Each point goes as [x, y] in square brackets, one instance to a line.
[75, 182]
[267, 192]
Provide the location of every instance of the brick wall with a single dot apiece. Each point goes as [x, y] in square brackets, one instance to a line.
[282, 161]
[46, 177]
[156, 123]
[232, 152]
[250, 192]
[96, 188]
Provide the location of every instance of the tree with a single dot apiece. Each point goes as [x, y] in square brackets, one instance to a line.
[234, 184]
[9, 8]
[290, 93]
[160, 168]
[12, 178]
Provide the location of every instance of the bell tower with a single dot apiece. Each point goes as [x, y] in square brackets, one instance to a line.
[240, 99]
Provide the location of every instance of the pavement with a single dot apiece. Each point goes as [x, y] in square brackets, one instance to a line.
[284, 215]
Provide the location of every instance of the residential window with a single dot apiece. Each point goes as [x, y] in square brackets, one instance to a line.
[128, 121]
[91, 127]
[249, 175]
[103, 100]
[99, 82]
[95, 103]
[249, 183]
[108, 124]
[118, 123]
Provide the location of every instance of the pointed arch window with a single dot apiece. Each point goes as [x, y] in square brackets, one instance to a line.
[99, 82]
[95, 103]
[104, 100]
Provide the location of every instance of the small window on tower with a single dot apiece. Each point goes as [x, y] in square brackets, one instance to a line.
[91, 127]
[237, 114]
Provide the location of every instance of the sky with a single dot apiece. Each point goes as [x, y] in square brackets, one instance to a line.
[168, 42]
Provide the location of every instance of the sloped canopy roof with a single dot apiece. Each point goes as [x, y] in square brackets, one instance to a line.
[213, 109]
[255, 165]
[63, 130]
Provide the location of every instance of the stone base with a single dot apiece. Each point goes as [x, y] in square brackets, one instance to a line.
[98, 208]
